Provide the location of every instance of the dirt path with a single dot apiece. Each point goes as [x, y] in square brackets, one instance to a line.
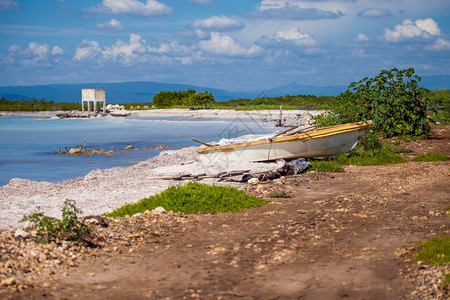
[340, 236]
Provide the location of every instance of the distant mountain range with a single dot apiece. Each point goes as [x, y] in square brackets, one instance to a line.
[144, 91]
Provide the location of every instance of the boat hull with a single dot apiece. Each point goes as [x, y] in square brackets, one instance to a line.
[320, 142]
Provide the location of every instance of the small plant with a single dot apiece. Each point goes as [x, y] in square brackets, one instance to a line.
[68, 228]
[431, 156]
[326, 166]
[280, 194]
[192, 199]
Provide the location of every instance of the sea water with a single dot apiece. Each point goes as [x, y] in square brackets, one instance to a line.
[27, 143]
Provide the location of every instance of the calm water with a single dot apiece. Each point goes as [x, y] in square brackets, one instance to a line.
[26, 142]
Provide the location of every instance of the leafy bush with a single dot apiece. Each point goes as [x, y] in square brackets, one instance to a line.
[392, 99]
[68, 228]
[441, 99]
[192, 199]
[431, 156]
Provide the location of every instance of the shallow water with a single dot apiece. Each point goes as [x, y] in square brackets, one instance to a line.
[26, 142]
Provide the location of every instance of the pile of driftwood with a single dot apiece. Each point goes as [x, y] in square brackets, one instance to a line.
[289, 168]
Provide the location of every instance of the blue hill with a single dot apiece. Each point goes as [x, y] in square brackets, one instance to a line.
[143, 91]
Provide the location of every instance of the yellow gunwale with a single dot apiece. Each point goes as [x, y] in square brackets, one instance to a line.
[313, 134]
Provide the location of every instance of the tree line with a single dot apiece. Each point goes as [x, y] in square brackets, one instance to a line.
[36, 105]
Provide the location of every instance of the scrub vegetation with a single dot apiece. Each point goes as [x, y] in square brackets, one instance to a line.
[36, 105]
[193, 198]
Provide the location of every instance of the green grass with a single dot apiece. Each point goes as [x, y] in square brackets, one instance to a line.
[431, 156]
[280, 194]
[434, 252]
[370, 158]
[326, 166]
[192, 199]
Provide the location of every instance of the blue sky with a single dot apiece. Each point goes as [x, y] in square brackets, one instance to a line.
[230, 44]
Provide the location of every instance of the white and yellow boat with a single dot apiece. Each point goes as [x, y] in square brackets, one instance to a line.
[326, 141]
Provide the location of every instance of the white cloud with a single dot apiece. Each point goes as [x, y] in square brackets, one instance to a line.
[375, 13]
[132, 7]
[361, 37]
[294, 35]
[87, 50]
[200, 1]
[57, 51]
[8, 4]
[112, 24]
[408, 29]
[291, 38]
[215, 23]
[439, 44]
[34, 54]
[225, 45]
[133, 52]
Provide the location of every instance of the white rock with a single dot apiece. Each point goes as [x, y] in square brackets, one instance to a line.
[160, 210]
[253, 180]
[20, 233]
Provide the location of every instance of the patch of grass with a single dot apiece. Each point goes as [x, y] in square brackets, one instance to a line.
[431, 156]
[434, 252]
[326, 166]
[192, 199]
[370, 158]
[280, 194]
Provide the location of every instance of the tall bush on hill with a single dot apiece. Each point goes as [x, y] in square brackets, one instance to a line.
[392, 99]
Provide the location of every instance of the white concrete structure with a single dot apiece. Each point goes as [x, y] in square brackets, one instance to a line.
[93, 96]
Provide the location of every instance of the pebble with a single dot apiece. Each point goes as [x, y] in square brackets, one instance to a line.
[20, 233]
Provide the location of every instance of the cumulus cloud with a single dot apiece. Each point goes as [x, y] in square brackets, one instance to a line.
[294, 35]
[361, 37]
[285, 38]
[132, 52]
[57, 51]
[215, 23]
[293, 12]
[8, 4]
[439, 44]
[225, 45]
[375, 13]
[112, 24]
[34, 54]
[132, 7]
[425, 28]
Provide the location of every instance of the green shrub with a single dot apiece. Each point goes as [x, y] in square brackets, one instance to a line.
[392, 99]
[68, 228]
[280, 194]
[431, 156]
[192, 199]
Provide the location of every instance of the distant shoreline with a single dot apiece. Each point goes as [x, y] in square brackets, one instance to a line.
[195, 114]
